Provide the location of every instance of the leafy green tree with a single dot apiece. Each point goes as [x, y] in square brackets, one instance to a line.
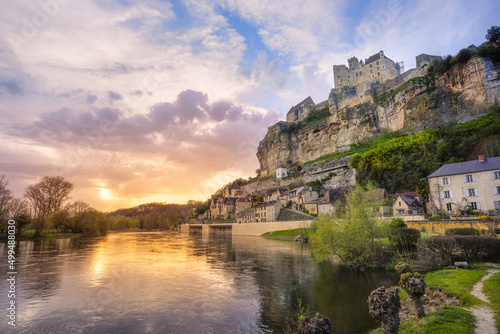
[352, 236]
[493, 36]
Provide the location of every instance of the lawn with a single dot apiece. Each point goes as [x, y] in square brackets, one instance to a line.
[285, 233]
[458, 283]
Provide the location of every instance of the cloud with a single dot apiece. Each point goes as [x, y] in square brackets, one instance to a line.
[175, 147]
[114, 96]
[12, 87]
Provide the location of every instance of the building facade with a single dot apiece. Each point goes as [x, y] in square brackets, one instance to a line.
[375, 68]
[466, 185]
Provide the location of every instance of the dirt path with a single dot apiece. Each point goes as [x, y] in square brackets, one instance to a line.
[484, 315]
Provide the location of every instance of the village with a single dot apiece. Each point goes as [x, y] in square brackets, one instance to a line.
[455, 189]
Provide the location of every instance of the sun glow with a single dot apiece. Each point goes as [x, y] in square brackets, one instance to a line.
[105, 193]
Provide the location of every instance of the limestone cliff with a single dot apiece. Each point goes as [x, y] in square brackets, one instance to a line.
[407, 103]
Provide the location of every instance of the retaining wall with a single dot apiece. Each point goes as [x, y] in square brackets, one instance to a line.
[440, 226]
[243, 229]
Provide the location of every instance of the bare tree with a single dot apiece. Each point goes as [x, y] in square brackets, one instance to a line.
[5, 197]
[18, 207]
[47, 197]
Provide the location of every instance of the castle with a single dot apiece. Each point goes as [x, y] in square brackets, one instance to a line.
[354, 84]
[376, 68]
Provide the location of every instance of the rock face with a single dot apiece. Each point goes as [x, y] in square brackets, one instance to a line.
[384, 306]
[464, 93]
[319, 325]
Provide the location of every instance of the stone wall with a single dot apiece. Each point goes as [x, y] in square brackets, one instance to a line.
[440, 226]
[254, 229]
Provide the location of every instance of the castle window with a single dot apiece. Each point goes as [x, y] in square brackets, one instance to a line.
[378, 68]
[371, 71]
[370, 65]
[377, 62]
[378, 73]
[356, 74]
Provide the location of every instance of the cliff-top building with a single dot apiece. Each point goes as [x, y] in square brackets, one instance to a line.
[375, 68]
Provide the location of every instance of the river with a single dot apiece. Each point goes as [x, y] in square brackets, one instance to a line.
[173, 283]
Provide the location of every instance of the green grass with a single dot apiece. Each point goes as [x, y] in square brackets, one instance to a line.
[458, 283]
[448, 319]
[361, 148]
[285, 233]
[492, 290]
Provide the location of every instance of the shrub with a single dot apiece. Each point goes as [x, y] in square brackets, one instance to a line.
[404, 238]
[435, 217]
[476, 248]
[440, 248]
[462, 231]
[397, 223]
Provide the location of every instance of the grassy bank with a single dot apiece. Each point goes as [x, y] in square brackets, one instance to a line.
[45, 235]
[451, 319]
[290, 234]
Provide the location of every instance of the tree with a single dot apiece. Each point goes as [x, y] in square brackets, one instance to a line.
[46, 198]
[493, 36]
[352, 236]
[5, 197]
[19, 211]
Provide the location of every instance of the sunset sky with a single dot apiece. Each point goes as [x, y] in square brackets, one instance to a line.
[141, 101]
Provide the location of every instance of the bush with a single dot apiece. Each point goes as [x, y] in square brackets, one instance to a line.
[462, 231]
[439, 248]
[397, 223]
[477, 248]
[435, 217]
[404, 238]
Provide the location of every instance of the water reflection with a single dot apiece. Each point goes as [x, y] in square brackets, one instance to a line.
[170, 283]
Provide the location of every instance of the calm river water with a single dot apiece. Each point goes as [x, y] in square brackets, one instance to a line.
[172, 283]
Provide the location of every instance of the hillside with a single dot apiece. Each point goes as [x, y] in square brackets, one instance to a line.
[463, 93]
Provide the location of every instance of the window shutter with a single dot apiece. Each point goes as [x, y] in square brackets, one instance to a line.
[495, 191]
[442, 196]
[492, 176]
[476, 191]
[474, 177]
[466, 192]
[449, 181]
[451, 194]
[465, 179]
[478, 205]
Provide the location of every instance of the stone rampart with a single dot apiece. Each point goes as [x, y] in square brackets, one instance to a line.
[440, 226]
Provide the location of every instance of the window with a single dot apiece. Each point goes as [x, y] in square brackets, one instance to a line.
[447, 194]
[497, 205]
[471, 192]
[495, 175]
[377, 62]
[473, 205]
[448, 206]
[496, 190]
[401, 212]
[399, 203]
[446, 181]
[469, 178]
[378, 68]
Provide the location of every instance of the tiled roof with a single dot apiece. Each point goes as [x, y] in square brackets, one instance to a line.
[467, 167]
[409, 200]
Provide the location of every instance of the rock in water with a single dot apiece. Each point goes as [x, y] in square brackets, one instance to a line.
[384, 306]
[318, 325]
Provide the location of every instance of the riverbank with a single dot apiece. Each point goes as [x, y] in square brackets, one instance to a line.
[451, 302]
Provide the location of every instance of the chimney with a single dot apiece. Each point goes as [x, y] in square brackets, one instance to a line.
[480, 158]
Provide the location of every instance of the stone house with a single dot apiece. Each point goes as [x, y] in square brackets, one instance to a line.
[227, 208]
[312, 207]
[267, 212]
[407, 204]
[242, 204]
[327, 203]
[299, 112]
[306, 195]
[475, 185]
[281, 172]
[247, 216]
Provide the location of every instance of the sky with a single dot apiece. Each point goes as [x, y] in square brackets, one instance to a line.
[166, 101]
